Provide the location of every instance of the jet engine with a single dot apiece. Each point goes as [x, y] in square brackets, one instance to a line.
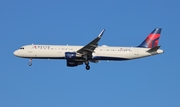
[70, 55]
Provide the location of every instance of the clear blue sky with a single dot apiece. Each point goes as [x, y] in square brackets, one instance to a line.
[148, 82]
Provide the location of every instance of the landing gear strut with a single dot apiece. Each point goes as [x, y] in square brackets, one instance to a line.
[86, 62]
[30, 62]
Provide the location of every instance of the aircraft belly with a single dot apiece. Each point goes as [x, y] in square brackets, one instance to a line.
[115, 56]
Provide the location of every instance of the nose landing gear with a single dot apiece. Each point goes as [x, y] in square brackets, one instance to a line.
[30, 62]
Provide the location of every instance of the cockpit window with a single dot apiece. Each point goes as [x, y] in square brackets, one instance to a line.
[22, 48]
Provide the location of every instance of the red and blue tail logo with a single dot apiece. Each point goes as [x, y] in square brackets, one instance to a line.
[152, 40]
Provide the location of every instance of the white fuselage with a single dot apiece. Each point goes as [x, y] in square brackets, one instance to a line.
[91, 52]
[100, 53]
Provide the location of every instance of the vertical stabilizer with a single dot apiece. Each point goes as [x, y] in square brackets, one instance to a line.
[152, 40]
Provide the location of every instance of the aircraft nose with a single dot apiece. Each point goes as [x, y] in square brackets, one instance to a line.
[16, 53]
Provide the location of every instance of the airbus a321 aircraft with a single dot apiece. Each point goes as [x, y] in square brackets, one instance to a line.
[77, 55]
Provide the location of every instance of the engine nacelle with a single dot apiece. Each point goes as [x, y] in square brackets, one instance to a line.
[70, 55]
[73, 63]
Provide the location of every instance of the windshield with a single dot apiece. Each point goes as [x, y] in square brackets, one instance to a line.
[21, 48]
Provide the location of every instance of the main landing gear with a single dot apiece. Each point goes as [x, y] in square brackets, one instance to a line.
[87, 65]
[30, 62]
[86, 62]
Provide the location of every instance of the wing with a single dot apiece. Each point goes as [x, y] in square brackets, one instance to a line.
[90, 47]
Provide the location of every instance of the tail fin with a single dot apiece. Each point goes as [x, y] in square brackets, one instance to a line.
[152, 40]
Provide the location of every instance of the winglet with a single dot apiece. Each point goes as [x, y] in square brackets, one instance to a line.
[153, 49]
[100, 35]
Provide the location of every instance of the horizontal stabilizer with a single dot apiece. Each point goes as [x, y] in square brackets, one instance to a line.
[153, 49]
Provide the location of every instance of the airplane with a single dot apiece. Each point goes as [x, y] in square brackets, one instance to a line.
[78, 55]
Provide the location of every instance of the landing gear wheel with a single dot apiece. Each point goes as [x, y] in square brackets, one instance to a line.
[30, 63]
[87, 67]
